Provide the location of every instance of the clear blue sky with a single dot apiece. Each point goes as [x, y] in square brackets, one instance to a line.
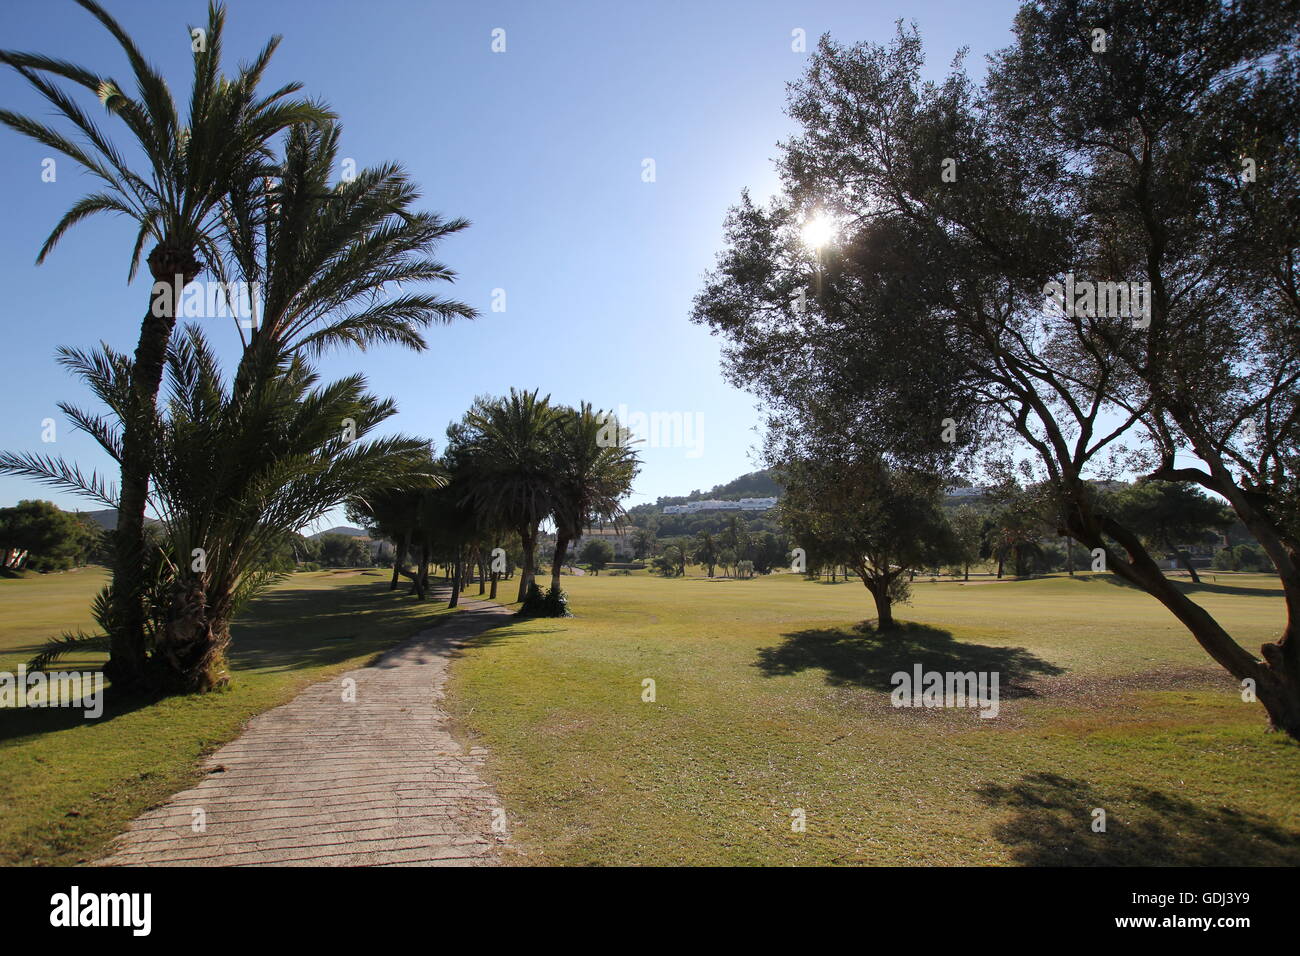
[541, 146]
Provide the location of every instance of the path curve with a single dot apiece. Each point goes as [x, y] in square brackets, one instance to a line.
[323, 782]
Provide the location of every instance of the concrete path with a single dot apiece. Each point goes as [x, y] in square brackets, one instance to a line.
[325, 782]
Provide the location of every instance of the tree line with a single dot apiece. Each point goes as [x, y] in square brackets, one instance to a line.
[511, 464]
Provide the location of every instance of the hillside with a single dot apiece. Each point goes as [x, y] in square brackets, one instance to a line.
[756, 484]
[345, 530]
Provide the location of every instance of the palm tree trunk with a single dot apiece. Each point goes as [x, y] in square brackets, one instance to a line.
[191, 653]
[399, 559]
[126, 665]
[422, 572]
[456, 582]
[529, 538]
[561, 549]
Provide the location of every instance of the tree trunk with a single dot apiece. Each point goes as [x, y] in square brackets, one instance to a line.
[884, 609]
[399, 559]
[456, 581]
[561, 549]
[126, 664]
[422, 572]
[493, 594]
[1185, 560]
[1001, 559]
[399, 555]
[1276, 678]
[191, 654]
[528, 536]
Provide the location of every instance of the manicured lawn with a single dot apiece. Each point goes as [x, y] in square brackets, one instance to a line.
[769, 701]
[67, 784]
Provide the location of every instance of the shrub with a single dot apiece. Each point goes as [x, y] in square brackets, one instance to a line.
[556, 604]
[534, 604]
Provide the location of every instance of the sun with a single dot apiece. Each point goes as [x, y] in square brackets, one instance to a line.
[817, 231]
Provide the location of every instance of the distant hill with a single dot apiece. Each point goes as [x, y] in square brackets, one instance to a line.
[107, 519]
[756, 484]
[345, 530]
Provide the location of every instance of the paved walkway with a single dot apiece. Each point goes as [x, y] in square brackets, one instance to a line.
[324, 782]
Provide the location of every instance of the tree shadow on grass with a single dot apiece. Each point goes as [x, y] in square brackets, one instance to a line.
[19, 722]
[284, 629]
[861, 656]
[1205, 587]
[290, 628]
[1211, 587]
[1052, 826]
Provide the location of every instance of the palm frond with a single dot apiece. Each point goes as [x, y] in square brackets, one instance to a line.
[59, 474]
[67, 643]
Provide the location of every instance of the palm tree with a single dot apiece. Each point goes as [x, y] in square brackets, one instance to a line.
[592, 470]
[175, 199]
[508, 447]
[452, 523]
[325, 257]
[706, 551]
[236, 475]
[391, 513]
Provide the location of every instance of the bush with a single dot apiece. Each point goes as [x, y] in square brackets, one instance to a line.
[309, 566]
[556, 604]
[534, 604]
[1244, 557]
[1224, 560]
[1251, 557]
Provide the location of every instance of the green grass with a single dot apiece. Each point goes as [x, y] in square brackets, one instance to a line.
[67, 785]
[769, 700]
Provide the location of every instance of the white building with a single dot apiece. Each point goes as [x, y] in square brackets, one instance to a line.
[713, 504]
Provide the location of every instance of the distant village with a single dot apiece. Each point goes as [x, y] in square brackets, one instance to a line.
[713, 504]
[764, 504]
